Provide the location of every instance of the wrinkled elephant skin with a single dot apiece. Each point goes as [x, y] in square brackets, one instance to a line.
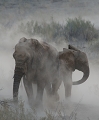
[72, 59]
[40, 63]
[37, 63]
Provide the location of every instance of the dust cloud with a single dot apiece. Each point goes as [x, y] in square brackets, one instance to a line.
[87, 94]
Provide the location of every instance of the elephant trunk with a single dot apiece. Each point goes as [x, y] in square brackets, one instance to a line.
[84, 78]
[17, 78]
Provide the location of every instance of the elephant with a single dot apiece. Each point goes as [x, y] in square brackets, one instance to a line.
[70, 60]
[41, 64]
[36, 62]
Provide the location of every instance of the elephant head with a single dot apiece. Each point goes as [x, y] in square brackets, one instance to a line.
[23, 55]
[75, 59]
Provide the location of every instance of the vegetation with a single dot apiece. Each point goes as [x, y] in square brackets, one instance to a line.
[81, 29]
[77, 28]
[11, 112]
[49, 31]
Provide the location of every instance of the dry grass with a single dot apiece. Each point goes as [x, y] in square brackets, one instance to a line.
[8, 111]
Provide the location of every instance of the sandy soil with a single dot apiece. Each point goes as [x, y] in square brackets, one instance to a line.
[85, 97]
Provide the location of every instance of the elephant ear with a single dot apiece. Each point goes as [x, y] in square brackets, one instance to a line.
[45, 45]
[37, 47]
[23, 39]
[36, 44]
[68, 58]
[72, 48]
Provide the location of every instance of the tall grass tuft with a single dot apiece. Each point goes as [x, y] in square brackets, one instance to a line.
[19, 112]
[11, 112]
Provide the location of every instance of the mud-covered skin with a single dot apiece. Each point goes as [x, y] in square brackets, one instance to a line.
[37, 63]
[70, 60]
[40, 63]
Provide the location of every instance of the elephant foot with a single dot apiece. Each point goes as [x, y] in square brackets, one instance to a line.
[55, 97]
[68, 103]
[52, 101]
[31, 102]
[37, 105]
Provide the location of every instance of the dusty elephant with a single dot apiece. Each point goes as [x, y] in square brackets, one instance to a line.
[36, 62]
[71, 59]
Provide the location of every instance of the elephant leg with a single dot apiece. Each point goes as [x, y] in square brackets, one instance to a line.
[67, 79]
[39, 97]
[48, 89]
[29, 90]
[55, 86]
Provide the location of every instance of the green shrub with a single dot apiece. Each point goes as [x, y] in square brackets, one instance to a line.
[80, 29]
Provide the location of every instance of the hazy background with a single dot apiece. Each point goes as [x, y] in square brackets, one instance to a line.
[13, 12]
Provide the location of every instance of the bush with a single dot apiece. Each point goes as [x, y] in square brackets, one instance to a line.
[80, 29]
[73, 28]
[49, 31]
